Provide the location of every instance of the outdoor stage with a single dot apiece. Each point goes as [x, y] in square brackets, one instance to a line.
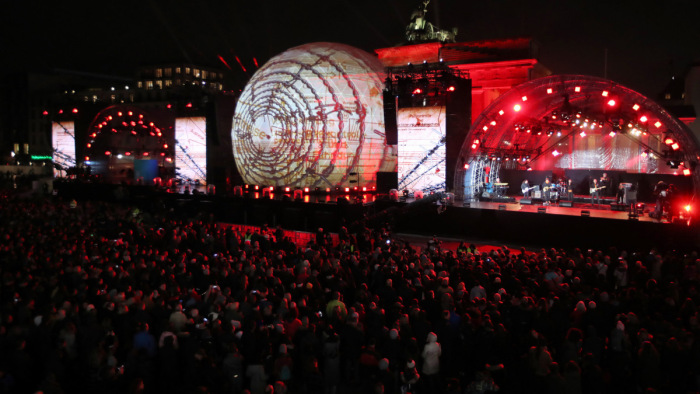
[496, 222]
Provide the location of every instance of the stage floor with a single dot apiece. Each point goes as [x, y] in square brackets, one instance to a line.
[596, 211]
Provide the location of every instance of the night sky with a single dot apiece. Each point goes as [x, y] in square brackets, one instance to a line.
[647, 42]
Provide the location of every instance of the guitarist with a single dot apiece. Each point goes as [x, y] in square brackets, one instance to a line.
[525, 188]
[596, 189]
[547, 190]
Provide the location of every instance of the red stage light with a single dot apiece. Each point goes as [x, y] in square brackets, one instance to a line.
[165, 146]
[688, 208]
[524, 98]
[347, 189]
[577, 89]
[517, 107]
[668, 141]
[272, 188]
[128, 153]
[130, 113]
[145, 153]
[87, 158]
[119, 113]
[169, 106]
[257, 187]
[643, 119]
[75, 110]
[189, 105]
[364, 188]
[466, 166]
[450, 88]
[107, 153]
[45, 112]
[286, 189]
[89, 145]
[549, 91]
[605, 93]
[686, 171]
[417, 91]
[306, 190]
[675, 146]
[635, 107]
[612, 103]
[60, 111]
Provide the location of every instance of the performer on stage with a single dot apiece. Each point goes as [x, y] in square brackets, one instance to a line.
[606, 183]
[620, 197]
[570, 190]
[525, 188]
[661, 194]
[547, 190]
[595, 190]
[488, 188]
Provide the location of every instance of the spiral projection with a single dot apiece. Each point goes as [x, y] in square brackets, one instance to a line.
[312, 116]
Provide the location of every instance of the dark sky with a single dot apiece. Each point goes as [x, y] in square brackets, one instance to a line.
[647, 42]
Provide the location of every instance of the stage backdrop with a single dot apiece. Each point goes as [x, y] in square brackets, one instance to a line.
[191, 149]
[313, 116]
[63, 140]
[421, 148]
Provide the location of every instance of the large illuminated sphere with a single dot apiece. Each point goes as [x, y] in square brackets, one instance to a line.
[312, 116]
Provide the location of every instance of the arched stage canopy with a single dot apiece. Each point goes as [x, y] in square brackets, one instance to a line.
[575, 122]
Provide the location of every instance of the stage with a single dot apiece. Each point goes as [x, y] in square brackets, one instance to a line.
[508, 222]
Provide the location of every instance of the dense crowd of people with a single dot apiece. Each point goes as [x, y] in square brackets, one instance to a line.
[102, 297]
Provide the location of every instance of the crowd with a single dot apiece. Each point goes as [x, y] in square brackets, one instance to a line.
[101, 297]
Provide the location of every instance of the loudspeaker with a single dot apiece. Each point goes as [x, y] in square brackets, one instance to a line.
[541, 210]
[585, 213]
[567, 204]
[526, 201]
[391, 129]
[387, 181]
[501, 207]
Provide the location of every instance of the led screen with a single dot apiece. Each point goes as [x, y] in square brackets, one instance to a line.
[313, 116]
[191, 149]
[63, 139]
[421, 150]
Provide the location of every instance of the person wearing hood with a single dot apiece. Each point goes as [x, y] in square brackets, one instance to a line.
[431, 362]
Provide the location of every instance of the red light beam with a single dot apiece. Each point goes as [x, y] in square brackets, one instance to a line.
[224, 61]
[241, 64]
